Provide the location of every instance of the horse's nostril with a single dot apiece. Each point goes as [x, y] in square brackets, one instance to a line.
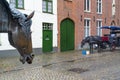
[28, 60]
[32, 55]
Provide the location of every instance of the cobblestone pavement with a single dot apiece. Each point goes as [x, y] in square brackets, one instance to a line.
[63, 66]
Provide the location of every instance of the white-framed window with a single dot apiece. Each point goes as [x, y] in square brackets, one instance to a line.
[47, 6]
[98, 30]
[99, 6]
[87, 5]
[86, 27]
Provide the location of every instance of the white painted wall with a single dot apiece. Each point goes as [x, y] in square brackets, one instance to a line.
[39, 17]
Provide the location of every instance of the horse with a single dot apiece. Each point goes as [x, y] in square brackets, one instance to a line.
[17, 25]
[91, 40]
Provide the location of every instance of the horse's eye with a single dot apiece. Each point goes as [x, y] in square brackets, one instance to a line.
[25, 20]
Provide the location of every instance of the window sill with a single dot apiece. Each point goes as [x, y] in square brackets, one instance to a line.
[47, 12]
[99, 13]
[20, 8]
[87, 11]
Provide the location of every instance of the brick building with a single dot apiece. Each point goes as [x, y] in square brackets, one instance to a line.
[80, 18]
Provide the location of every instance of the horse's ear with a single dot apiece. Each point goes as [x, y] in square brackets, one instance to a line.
[31, 15]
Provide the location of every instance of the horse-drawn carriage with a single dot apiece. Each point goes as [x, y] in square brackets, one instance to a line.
[111, 40]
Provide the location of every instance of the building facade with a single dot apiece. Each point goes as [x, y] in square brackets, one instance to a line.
[80, 18]
[44, 24]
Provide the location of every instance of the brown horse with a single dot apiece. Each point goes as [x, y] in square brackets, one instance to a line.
[18, 29]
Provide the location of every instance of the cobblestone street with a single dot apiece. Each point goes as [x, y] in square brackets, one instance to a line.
[70, 65]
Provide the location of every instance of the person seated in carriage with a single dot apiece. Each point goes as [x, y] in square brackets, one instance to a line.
[113, 38]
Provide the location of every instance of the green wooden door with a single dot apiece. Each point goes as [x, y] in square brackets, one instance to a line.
[47, 39]
[67, 35]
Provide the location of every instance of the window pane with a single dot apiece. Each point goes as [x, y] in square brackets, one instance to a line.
[20, 4]
[84, 4]
[99, 6]
[47, 26]
[87, 27]
[49, 6]
[88, 4]
[44, 8]
[13, 3]
[99, 31]
[87, 22]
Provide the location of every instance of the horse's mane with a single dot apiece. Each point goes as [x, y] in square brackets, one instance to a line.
[5, 5]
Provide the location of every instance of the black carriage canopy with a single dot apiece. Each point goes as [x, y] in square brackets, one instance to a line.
[22, 18]
[111, 27]
[114, 29]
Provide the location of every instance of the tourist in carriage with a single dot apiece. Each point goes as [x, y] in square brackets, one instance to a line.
[113, 39]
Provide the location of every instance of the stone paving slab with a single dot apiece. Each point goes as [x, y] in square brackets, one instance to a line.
[36, 73]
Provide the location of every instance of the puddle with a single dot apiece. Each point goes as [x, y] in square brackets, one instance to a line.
[11, 71]
[78, 70]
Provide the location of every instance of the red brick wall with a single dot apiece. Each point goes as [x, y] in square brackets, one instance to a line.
[75, 11]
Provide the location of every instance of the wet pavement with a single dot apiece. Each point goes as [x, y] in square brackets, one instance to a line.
[70, 65]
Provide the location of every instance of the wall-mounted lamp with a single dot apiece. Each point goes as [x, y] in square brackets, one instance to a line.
[81, 18]
[68, 13]
[117, 21]
[94, 18]
[105, 20]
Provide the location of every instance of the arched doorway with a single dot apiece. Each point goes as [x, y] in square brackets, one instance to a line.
[67, 35]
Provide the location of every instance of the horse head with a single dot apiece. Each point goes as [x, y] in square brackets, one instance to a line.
[85, 40]
[20, 37]
[82, 43]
